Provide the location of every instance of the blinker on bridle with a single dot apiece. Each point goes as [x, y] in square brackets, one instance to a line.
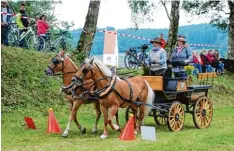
[56, 62]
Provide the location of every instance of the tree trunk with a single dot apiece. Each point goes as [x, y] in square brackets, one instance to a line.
[85, 43]
[231, 31]
[174, 24]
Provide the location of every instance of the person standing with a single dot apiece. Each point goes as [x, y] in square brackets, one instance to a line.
[42, 28]
[163, 45]
[22, 22]
[157, 58]
[5, 21]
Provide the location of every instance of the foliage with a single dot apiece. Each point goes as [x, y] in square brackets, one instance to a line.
[35, 9]
[141, 11]
[215, 11]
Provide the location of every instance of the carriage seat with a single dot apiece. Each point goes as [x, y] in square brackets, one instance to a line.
[205, 83]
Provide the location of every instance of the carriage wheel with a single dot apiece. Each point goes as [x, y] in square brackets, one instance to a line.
[159, 119]
[202, 112]
[175, 119]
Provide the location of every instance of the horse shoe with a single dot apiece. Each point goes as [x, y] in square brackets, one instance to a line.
[103, 136]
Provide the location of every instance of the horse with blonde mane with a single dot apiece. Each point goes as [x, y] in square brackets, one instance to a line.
[62, 63]
[114, 92]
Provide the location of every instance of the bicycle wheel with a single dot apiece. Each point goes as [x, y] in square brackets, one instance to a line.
[130, 62]
[38, 45]
[12, 38]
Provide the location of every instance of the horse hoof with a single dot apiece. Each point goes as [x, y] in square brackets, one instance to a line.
[65, 135]
[83, 130]
[135, 132]
[116, 127]
[103, 136]
[94, 131]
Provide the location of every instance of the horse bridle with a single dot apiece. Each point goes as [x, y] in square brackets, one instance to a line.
[79, 82]
[56, 62]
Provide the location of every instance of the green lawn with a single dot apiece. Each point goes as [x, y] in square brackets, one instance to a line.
[219, 136]
[27, 92]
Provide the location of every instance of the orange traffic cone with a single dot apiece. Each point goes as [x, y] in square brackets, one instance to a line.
[128, 131]
[53, 126]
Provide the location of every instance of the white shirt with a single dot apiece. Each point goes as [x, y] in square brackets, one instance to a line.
[4, 16]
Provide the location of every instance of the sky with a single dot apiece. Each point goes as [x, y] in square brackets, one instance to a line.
[114, 13]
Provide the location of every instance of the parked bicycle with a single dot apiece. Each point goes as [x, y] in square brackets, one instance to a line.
[53, 45]
[134, 58]
[33, 41]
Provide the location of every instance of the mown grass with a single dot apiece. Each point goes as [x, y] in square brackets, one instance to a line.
[27, 92]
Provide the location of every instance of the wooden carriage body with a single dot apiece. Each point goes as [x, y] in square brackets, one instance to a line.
[173, 94]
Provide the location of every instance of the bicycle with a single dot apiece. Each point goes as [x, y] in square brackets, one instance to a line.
[52, 45]
[134, 59]
[33, 41]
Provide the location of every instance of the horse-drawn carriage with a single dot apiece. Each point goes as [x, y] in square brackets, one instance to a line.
[164, 95]
[173, 94]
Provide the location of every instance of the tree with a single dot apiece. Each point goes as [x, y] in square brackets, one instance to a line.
[174, 25]
[145, 8]
[85, 42]
[35, 9]
[215, 12]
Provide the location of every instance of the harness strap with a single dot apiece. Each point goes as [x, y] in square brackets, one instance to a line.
[124, 99]
[107, 89]
[131, 93]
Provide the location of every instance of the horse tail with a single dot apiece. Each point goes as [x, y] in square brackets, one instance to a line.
[149, 100]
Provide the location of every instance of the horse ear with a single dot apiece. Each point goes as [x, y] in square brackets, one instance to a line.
[61, 53]
[91, 61]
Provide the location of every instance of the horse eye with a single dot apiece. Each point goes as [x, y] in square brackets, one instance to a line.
[85, 70]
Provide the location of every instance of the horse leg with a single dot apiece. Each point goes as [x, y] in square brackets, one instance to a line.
[134, 110]
[105, 115]
[72, 116]
[141, 117]
[78, 104]
[98, 114]
[117, 117]
[114, 110]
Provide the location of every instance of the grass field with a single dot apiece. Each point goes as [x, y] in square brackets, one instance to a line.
[24, 93]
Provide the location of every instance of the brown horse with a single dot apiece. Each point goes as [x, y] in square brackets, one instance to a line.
[62, 63]
[115, 92]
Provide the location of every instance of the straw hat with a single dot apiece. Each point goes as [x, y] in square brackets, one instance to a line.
[181, 38]
[156, 40]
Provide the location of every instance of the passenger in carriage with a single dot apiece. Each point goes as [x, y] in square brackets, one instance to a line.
[183, 54]
[157, 58]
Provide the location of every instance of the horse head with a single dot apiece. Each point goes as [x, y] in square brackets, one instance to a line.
[56, 64]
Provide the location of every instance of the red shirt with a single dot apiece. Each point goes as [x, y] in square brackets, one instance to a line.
[42, 27]
[210, 58]
[163, 43]
[195, 60]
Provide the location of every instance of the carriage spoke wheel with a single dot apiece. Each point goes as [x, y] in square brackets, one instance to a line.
[202, 112]
[175, 119]
[159, 119]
